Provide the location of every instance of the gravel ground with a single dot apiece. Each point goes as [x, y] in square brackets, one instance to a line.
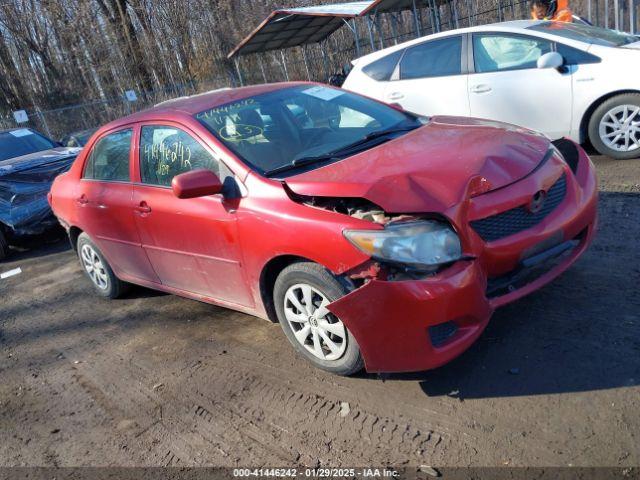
[158, 380]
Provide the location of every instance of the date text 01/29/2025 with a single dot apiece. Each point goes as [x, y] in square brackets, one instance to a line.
[316, 472]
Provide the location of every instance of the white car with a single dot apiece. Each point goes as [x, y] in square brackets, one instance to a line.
[561, 79]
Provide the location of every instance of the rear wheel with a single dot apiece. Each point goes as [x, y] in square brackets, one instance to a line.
[4, 245]
[98, 270]
[301, 294]
[614, 127]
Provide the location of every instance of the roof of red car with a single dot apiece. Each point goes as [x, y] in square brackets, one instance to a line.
[200, 102]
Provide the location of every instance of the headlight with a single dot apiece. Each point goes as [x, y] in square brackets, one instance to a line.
[418, 244]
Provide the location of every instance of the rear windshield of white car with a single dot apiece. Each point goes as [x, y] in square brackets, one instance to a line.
[16, 143]
[586, 33]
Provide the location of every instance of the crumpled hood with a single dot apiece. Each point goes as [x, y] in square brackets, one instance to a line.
[37, 159]
[429, 169]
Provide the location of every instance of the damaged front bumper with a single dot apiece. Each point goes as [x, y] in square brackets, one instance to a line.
[415, 325]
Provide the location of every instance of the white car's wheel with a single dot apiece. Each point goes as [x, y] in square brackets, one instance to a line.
[301, 294]
[614, 127]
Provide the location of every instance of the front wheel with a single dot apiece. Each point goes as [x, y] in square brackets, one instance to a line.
[301, 294]
[614, 127]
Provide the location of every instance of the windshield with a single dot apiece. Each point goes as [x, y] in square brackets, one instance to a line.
[292, 127]
[16, 143]
[586, 33]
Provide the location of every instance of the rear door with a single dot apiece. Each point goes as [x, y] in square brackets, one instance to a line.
[431, 78]
[105, 205]
[191, 243]
[506, 84]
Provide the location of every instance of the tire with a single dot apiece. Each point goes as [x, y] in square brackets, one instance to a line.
[602, 123]
[344, 357]
[98, 270]
[4, 245]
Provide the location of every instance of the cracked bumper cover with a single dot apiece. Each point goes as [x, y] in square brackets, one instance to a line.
[390, 319]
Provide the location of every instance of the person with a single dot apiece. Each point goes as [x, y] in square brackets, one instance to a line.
[556, 10]
[338, 78]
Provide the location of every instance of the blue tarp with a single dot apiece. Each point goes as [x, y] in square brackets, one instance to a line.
[24, 185]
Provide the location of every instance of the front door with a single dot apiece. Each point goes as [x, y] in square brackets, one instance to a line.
[430, 79]
[191, 243]
[507, 85]
[105, 208]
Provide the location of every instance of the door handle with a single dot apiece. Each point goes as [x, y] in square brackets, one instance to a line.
[143, 208]
[395, 96]
[481, 88]
[82, 200]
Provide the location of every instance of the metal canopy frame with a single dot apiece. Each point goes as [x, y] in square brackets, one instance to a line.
[296, 27]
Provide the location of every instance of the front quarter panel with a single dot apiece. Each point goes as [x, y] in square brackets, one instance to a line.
[272, 225]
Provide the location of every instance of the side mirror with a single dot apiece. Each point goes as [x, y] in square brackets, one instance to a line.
[551, 60]
[197, 183]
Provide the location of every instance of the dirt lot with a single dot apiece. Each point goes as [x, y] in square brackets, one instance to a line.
[158, 380]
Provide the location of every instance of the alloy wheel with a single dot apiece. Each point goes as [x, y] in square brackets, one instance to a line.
[315, 328]
[94, 267]
[619, 128]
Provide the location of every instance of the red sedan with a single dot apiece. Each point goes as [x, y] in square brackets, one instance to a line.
[375, 237]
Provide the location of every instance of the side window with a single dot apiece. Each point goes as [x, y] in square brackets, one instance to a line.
[168, 151]
[494, 53]
[109, 159]
[573, 56]
[382, 69]
[436, 58]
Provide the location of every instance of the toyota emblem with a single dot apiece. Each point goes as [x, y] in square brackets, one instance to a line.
[537, 201]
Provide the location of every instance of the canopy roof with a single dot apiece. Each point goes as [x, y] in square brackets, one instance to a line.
[293, 27]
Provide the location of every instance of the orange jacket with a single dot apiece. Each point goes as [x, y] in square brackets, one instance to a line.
[563, 13]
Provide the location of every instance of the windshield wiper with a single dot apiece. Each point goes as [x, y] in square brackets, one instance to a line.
[341, 152]
[299, 162]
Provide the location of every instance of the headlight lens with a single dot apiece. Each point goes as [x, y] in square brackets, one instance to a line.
[421, 244]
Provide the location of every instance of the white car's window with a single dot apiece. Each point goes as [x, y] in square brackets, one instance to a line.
[573, 56]
[436, 58]
[496, 52]
[168, 151]
[109, 159]
[383, 68]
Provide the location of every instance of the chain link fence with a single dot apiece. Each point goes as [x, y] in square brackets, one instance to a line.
[58, 122]
[318, 61]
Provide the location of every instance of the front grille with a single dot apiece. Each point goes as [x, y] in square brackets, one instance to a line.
[520, 218]
[442, 332]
